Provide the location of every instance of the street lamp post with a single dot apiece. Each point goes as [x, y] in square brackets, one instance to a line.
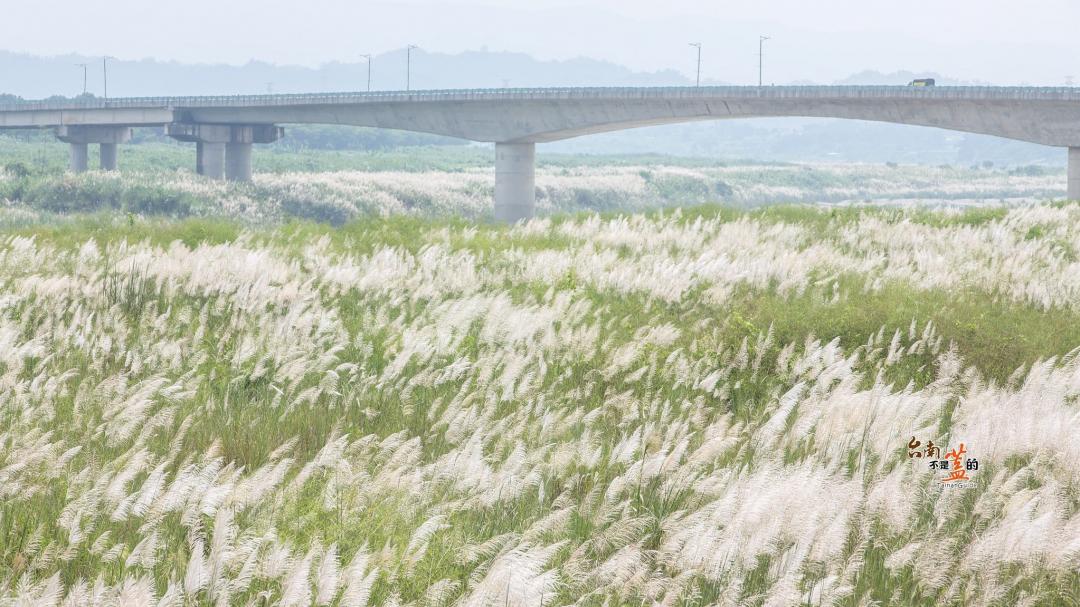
[697, 80]
[105, 73]
[83, 66]
[408, 65]
[368, 59]
[761, 59]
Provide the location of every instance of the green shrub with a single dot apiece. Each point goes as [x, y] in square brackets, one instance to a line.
[1031, 170]
[317, 210]
[680, 187]
[74, 194]
[150, 200]
[17, 169]
[687, 188]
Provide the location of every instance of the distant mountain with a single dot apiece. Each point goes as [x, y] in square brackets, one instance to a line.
[33, 77]
[871, 77]
[38, 77]
[814, 140]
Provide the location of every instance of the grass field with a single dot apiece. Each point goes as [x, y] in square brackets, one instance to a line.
[458, 182]
[700, 407]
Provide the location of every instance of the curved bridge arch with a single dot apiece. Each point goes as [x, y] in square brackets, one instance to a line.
[1046, 116]
[516, 119]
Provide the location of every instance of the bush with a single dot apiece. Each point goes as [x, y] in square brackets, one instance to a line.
[73, 194]
[149, 200]
[17, 169]
[1030, 170]
[688, 188]
[675, 187]
[89, 193]
[317, 210]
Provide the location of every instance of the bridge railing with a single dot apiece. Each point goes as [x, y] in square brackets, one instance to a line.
[287, 99]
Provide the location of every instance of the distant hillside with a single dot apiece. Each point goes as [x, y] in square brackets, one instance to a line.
[38, 77]
[871, 77]
[33, 77]
[815, 140]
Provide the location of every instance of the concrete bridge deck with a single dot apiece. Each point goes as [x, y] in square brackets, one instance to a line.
[224, 127]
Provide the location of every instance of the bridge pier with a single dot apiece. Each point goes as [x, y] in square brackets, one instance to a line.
[238, 161]
[223, 151]
[80, 136]
[1073, 176]
[108, 155]
[515, 181]
[79, 157]
[210, 159]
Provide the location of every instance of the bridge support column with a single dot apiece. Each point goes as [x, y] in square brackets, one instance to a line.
[238, 161]
[515, 181]
[108, 156]
[224, 150]
[107, 137]
[79, 154]
[210, 159]
[1073, 190]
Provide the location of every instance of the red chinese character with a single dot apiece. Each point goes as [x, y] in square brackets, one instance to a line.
[957, 473]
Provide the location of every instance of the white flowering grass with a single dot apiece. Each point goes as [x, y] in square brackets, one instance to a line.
[701, 408]
[339, 196]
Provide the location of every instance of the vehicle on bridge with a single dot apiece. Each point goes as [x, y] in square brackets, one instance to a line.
[922, 82]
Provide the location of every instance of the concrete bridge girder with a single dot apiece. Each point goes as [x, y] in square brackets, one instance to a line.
[109, 117]
[552, 120]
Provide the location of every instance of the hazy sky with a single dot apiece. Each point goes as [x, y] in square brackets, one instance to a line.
[1005, 42]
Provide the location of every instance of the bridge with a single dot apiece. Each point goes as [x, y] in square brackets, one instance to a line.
[515, 120]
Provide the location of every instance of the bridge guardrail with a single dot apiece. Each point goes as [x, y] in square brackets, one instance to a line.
[285, 99]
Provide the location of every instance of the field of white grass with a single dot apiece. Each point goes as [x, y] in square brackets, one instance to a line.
[700, 408]
[340, 196]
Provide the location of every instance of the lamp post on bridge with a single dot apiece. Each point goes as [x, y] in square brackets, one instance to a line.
[368, 59]
[105, 73]
[697, 80]
[761, 58]
[408, 66]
